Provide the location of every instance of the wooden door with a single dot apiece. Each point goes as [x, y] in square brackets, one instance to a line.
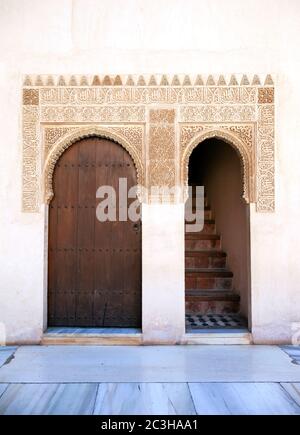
[94, 272]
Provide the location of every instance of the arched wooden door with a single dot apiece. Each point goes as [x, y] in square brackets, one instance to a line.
[94, 272]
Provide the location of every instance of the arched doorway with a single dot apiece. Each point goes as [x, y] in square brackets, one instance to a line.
[217, 274]
[94, 267]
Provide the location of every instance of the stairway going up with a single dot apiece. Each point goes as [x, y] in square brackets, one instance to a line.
[208, 282]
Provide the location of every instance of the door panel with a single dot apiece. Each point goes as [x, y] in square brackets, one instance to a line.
[94, 269]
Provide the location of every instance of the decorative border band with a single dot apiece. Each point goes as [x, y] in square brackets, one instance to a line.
[147, 80]
[159, 119]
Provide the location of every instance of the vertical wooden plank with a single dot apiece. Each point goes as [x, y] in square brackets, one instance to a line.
[62, 273]
[85, 232]
[132, 256]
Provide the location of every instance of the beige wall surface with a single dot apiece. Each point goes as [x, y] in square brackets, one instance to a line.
[143, 36]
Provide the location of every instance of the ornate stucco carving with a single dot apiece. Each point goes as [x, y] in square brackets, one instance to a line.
[92, 114]
[238, 136]
[30, 197]
[51, 135]
[218, 113]
[146, 80]
[148, 95]
[130, 137]
[159, 119]
[30, 97]
[162, 163]
[265, 158]
[265, 95]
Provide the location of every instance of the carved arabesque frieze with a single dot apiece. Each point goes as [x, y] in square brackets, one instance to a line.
[92, 114]
[158, 119]
[148, 95]
[265, 159]
[30, 197]
[161, 153]
[51, 135]
[218, 113]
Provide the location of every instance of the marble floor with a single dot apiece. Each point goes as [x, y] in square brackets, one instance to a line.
[293, 352]
[6, 353]
[214, 363]
[150, 398]
[153, 380]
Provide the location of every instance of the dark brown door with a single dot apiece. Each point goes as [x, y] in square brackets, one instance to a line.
[94, 273]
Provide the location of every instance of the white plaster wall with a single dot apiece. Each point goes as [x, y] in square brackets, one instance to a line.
[146, 36]
[163, 273]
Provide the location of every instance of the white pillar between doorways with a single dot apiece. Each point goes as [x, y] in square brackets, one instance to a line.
[163, 300]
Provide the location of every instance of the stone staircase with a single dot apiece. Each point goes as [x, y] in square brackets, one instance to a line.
[208, 282]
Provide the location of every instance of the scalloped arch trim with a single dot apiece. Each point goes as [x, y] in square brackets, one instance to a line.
[247, 163]
[80, 133]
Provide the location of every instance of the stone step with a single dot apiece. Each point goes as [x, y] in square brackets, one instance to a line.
[205, 278]
[205, 259]
[209, 226]
[207, 214]
[206, 272]
[206, 221]
[207, 281]
[211, 302]
[196, 241]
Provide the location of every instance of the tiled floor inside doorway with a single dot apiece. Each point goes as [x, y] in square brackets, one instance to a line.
[214, 321]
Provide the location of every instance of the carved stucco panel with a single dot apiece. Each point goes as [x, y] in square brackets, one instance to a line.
[51, 135]
[218, 113]
[161, 173]
[241, 137]
[266, 168]
[162, 163]
[130, 137]
[220, 95]
[31, 97]
[142, 111]
[30, 197]
[110, 96]
[148, 95]
[92, 114]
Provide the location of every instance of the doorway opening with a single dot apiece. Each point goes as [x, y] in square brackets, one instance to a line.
[94, 266]
[217, 258]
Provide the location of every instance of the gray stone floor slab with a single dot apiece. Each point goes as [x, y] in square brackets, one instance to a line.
[242, 399]
[3, 388]
[48, 399]
[293, 352]
[84, 364]
[148, 399]
[293, 390]
[144, 399]
[6, 352]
